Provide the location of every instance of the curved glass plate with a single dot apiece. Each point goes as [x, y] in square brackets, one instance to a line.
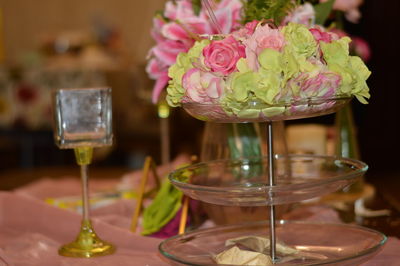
[244, 182]
[261, 112]
[317, 243]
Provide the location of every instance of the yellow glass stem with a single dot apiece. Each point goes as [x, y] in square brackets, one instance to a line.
[87, 243]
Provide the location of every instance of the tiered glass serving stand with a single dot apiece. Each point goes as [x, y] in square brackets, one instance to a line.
[270, 181]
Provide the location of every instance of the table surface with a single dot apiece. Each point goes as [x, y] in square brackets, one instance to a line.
[387, 187]
[386, 190]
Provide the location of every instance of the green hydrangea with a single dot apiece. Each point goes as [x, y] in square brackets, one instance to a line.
[300, 39]
[184, 62]
[242, 84]
[336, 52]
[352, 69]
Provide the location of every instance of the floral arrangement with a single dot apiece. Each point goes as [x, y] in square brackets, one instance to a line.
[268, 51]
[267, 64]
[180, 24]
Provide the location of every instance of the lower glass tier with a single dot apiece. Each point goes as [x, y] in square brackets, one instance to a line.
[310, 243]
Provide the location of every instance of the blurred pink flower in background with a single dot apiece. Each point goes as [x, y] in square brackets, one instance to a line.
[361, 48]
[349, 7]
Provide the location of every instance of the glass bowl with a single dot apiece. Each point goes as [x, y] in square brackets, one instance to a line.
[317, 243]
[244, 182]
[261, 112]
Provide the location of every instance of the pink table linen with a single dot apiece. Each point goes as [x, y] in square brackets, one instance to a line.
[32, 231]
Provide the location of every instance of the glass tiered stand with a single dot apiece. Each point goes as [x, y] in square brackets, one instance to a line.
[271, 181]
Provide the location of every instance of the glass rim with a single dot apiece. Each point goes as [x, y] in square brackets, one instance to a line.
[361, 168]
[82, 89]
[281, 103]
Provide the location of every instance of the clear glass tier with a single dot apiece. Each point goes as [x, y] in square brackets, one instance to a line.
[315, 243]
[244, 182]
[261, 112]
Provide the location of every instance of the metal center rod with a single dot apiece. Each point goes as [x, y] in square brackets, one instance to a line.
[271, 177]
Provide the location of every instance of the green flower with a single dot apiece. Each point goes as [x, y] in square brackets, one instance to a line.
[360, 89]
[184, 62]
[336, 52]
[352, 69]
[242, 84]
[270, 85]
[292, 65]
[300, 39]
[271, 59]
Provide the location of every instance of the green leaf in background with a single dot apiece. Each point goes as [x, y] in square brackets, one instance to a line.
[267, 9]
[163, 208]
[322, 11]
[196, 5]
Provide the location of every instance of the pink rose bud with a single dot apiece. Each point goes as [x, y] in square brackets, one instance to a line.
[251, 26]
[321, 35]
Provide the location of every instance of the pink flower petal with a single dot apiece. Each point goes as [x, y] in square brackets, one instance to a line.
[224, 20]
[158, 87]
[174, 31]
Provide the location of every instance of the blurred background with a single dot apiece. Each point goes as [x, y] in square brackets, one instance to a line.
[60, 44]
[69, 43]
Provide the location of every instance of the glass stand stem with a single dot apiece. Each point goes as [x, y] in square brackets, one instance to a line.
[85, 193]
[271, 179]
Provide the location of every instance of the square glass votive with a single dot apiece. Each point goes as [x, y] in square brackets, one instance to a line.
[83, 117]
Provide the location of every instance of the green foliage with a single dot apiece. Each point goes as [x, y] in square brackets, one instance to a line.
[196, 4]
[267, 9]
[322, 11]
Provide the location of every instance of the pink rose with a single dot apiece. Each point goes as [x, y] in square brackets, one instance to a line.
[324, 84]
[320, 35]
[263, 37]
[222, 56]
[202, 87]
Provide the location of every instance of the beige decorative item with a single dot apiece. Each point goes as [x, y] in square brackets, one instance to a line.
[236, 256]
[260, 244]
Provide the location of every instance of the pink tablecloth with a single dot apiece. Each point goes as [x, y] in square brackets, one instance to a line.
[31, 231]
